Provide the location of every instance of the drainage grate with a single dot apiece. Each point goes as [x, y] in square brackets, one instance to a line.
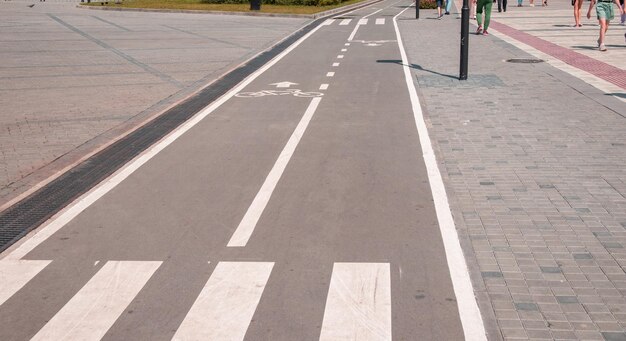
[21, 218]
[525, 60]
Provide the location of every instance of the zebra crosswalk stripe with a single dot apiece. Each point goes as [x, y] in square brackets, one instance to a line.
[225, 307]
[345, 22]
[94, 309]
[358, 306]
[14, 274]
[380, 21]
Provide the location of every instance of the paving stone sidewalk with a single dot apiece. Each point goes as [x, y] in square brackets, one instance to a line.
[534, 162]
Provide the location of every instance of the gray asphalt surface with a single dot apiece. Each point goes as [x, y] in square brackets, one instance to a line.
[355, 191]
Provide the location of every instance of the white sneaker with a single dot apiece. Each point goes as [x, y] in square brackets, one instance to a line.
[602, 47]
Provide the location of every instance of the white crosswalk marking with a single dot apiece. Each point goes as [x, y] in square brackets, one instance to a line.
[94, 309]
[14, 274]
[380, 21]
[345, 22]
[358, 306]
[362, 21]
[225, 307]
[328, 22]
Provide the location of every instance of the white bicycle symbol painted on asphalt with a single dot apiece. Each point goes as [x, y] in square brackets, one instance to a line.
[294, 92]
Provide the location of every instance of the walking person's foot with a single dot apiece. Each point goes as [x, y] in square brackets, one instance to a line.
[485, 33]
[447, 13]
[602, 47]
[479, 30]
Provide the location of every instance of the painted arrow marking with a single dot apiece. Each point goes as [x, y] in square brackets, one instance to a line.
[284, 84]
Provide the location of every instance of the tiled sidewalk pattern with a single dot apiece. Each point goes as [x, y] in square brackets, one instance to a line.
[533, 163]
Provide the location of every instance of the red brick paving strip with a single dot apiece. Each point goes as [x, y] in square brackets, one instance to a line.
[595, 67]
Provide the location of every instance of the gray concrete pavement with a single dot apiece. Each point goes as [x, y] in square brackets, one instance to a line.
[74, 79]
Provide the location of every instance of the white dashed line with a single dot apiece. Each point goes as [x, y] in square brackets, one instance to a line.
[324, 87]
[358, 306]
[344, 50]
[330, 74]
[14, 274]
[335, 64]
[94, 309]
[340, 56]
[225, 307]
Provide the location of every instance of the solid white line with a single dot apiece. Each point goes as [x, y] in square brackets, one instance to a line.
[250, 219]
[335, 64]
[380, 21]
[369, 15]
[345, 22]
[340, 56]
[14, 274]
[225, 307]
[324, 87]
[74, 209]
[330, 74]
[356, 28]
[358, 306]
[469, 312]
[94, 309]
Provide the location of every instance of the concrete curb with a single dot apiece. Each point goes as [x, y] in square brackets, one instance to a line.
[256, 14]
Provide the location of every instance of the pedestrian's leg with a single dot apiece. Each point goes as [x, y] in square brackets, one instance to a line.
[448, 6]
[578, 4]
[603, 28]
[504, 5]
[499, 6]
[487, 11]
[479, 16]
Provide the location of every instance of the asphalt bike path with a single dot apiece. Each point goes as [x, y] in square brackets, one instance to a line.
[299, 209]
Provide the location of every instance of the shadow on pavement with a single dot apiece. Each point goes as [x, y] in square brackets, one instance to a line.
[414, 66]
[616, 94]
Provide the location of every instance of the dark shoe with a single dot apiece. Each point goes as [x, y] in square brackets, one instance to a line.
[447, 13]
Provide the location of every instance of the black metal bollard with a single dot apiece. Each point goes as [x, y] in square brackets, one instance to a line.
[255, 5]
[417, 9]
[464, 40]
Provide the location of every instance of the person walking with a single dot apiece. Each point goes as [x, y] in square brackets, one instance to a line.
[439, 9]
[484, 6]
[578, 5]
[604, 13]
[501, 5]
[448, 6]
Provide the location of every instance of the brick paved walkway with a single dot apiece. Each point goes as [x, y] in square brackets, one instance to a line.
[533, 160]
